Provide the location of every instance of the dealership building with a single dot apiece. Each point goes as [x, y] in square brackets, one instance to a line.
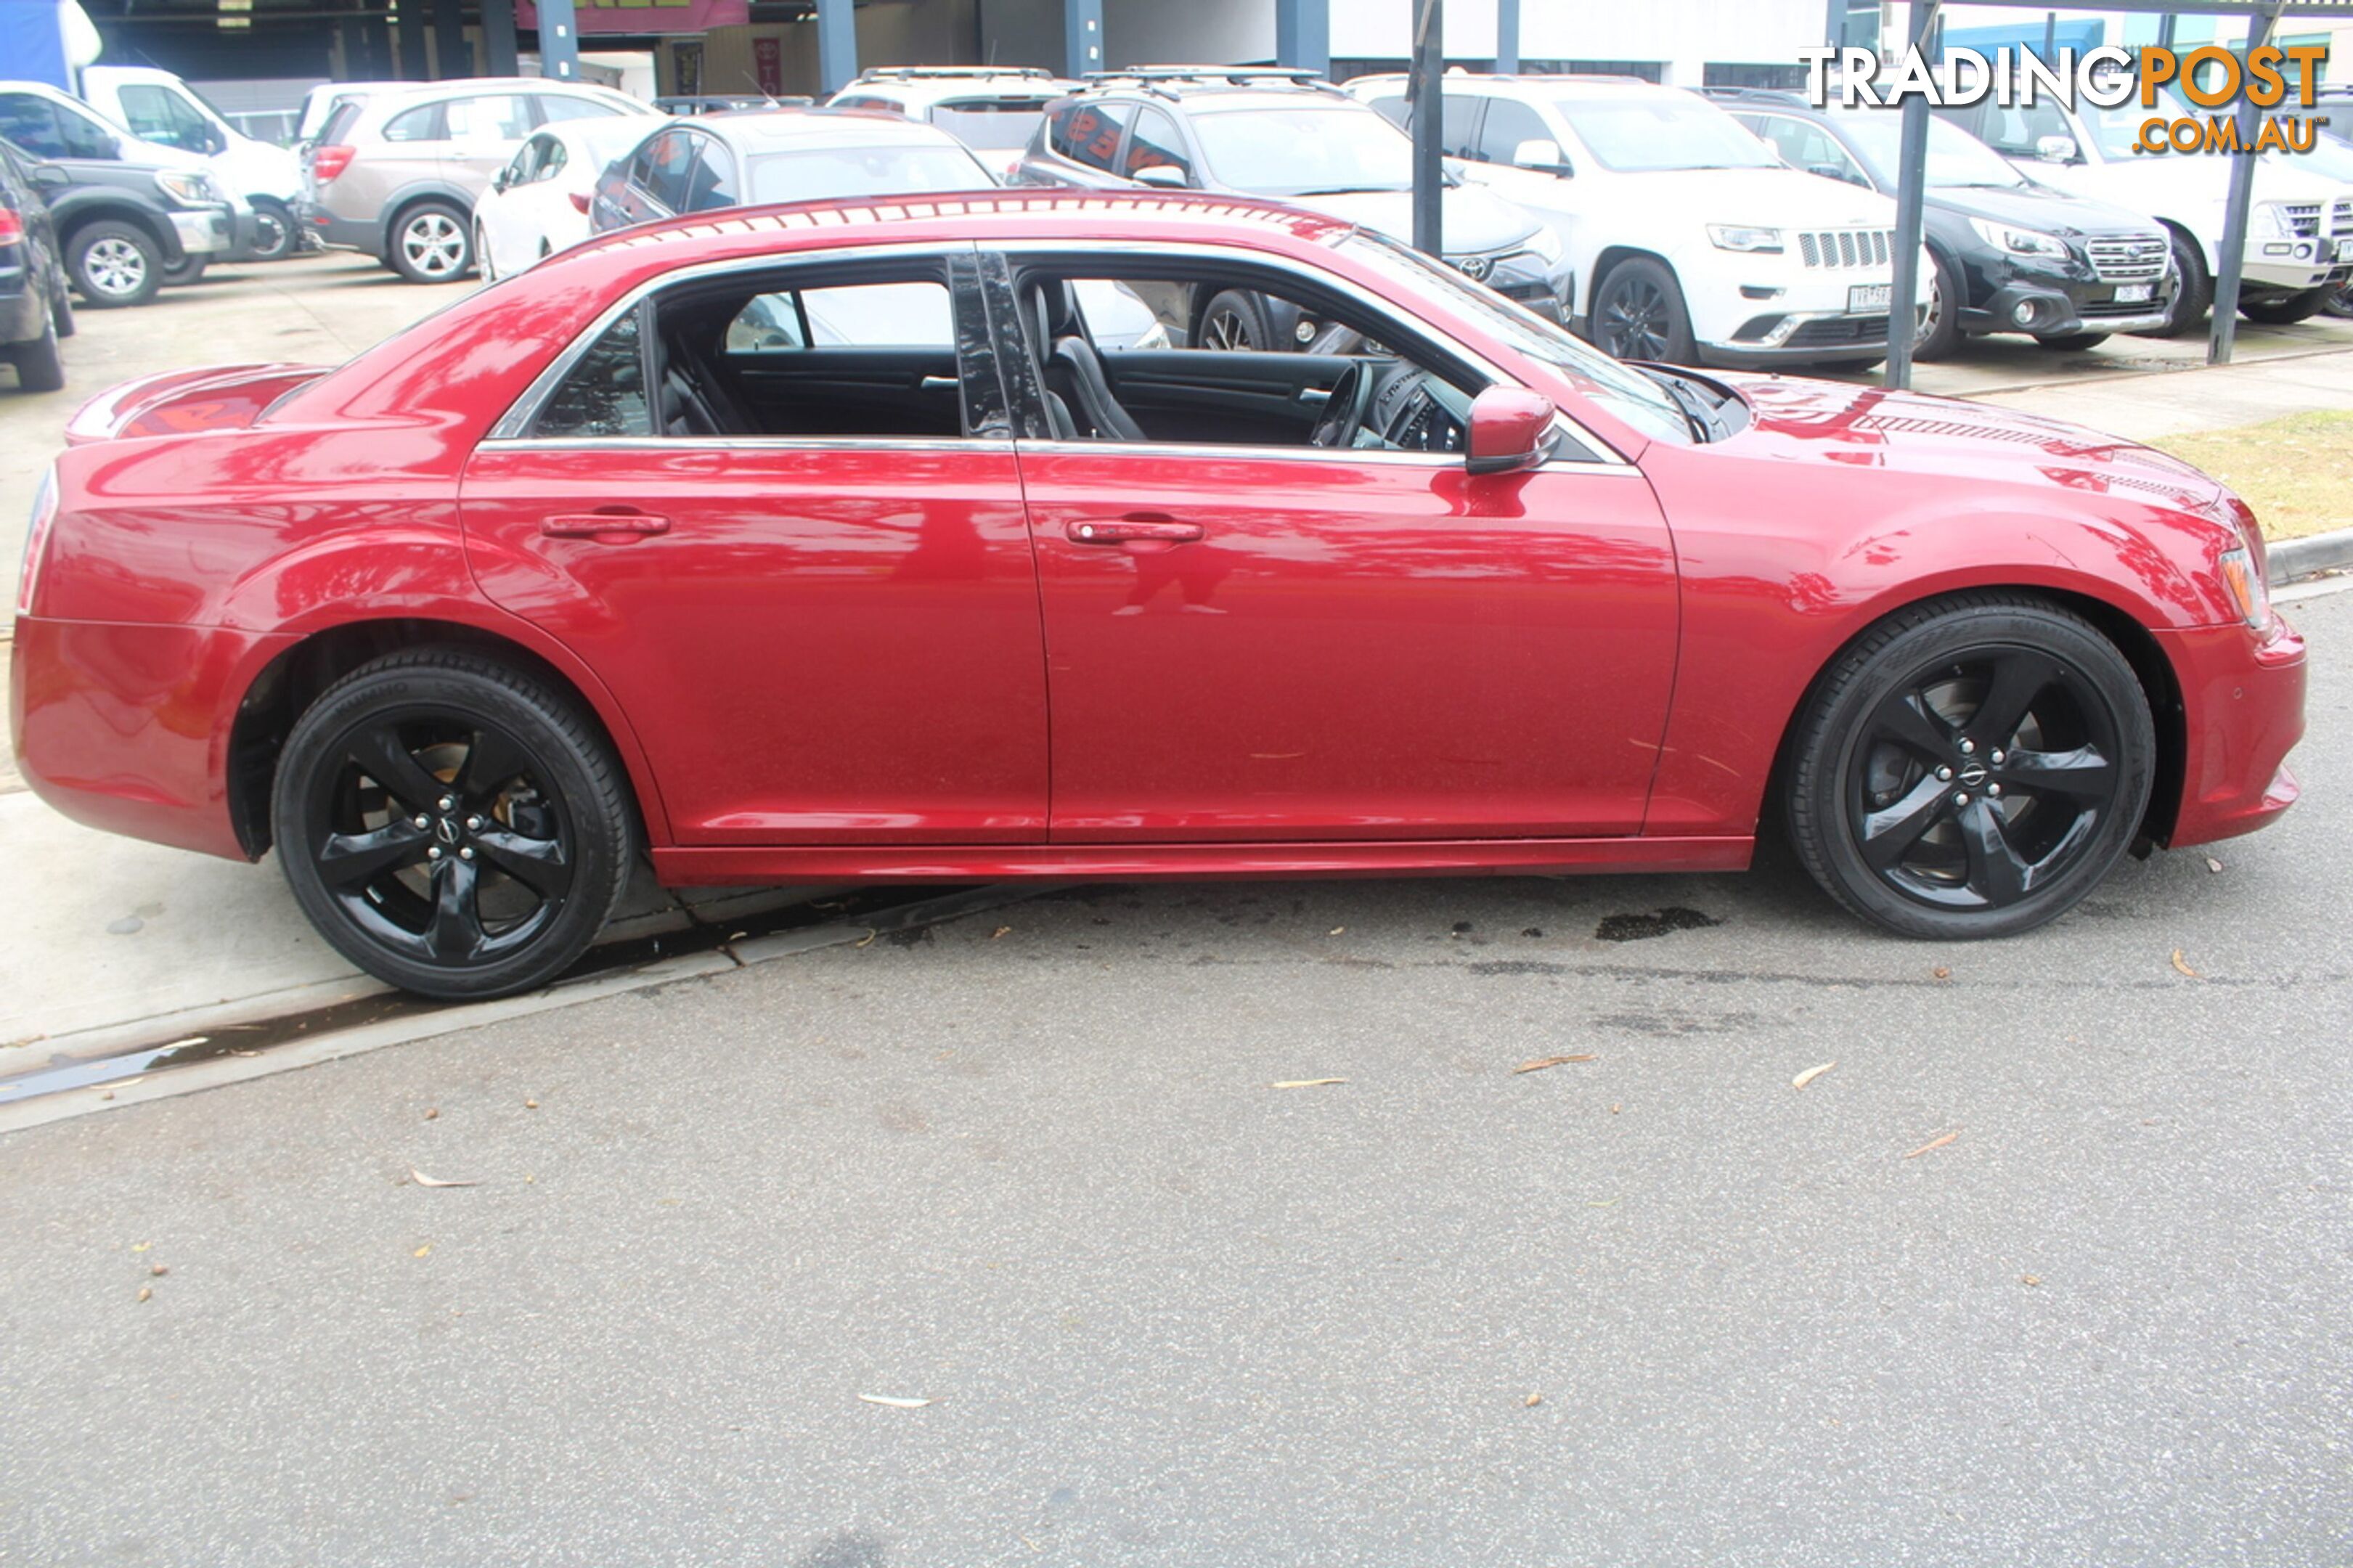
[246, 53]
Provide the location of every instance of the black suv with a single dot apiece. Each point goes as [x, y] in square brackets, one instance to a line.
[34, 311]
[2011, 256]
[119, 225]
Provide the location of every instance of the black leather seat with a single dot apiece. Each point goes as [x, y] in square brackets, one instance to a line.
[1077, 393]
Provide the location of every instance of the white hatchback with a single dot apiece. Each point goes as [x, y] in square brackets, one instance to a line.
[538, 204]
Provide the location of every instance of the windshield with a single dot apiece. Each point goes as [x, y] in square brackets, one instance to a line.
[1639, 135]
[1954, 157]
[2116, 130]
[1312, 150]
[831, 174]
[995, 125]
[1629, 395]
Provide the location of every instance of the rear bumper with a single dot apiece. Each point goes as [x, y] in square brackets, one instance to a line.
[2244, 702]
[339, 232]
[126, 727]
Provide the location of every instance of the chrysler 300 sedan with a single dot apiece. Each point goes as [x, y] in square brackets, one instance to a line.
[622, 557]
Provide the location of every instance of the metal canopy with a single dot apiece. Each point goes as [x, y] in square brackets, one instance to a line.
[2262, 18]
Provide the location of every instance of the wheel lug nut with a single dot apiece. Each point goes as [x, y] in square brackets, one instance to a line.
[1943, 776]
[450, 803]
[433, 853]
[420, 822]
[1997, 759]
[1968, 747]
[1961, 798]
[473, 825]
[467, 853]
[1994, 791]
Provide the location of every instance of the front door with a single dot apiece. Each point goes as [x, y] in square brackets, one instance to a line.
[765, 512]
[1283, 641]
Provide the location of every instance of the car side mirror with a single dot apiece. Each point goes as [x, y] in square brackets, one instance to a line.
[1545, 157]
[2055, 149]
[215, 141]
[498, 180]
[1161, 177]
[1511, 430]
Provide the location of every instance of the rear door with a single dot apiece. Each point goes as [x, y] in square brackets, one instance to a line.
[820, 615]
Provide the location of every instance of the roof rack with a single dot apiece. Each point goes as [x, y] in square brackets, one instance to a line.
[1155, 76]
[918, 73]
[1774, 95]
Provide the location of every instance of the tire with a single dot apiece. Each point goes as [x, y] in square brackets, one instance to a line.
[1925, 856]
[1236, 319]
[507, 884]
[432, 242]
[2341, 303]
[2193, 293]
[2072, 343]
[482, 255]
[114, 264]
[276, 234]
[1638, 313]
[190, 269]
[38, 368]
[61, 306]
[1944, 333]
[2288, 310]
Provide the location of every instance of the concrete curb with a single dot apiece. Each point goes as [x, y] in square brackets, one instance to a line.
[2311, 555]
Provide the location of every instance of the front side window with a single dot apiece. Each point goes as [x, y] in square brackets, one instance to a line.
[663, 167]
[991, 124]
[523, 168]
[713, 184]
[554, 109]
[1157, 144]
[1806, 145]
[1956, 158]
[1638, 135]
[1509, 124]
[1088, 132]
[32, 123]
[1312, 150]
[2016, 131]
[158, 114]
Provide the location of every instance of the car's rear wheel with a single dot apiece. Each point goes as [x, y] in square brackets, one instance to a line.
[38, 366]
[451, 824]
[1940, 332]
[1638, 314]
[2072, 343]
[1971, 768]
[275, 235]
[60, 305]
[1235, 321]
[114, 264]
[432, 243]
[2287, 310]
[2194, 289]
[186, 270]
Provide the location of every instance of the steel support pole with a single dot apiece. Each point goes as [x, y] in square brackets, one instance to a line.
[499, 37]
[1423, 92]
[836, 44]
[1303, 35]
[1911, 191]
[559, 41]
[2223, 336]
[453, 56]
[1083, 37]
[1507, 38]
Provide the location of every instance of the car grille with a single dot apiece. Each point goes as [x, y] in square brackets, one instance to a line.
[2340, 220]
[2129, 258]
[2099, 310]
[2303, 218]
[1833, 331]
[1844, 246]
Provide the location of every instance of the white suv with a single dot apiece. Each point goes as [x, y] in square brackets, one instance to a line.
[2299, 246]
[1691, 241]
[991, 109]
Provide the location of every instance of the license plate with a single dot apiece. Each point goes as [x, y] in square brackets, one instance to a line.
[2345, 250]
[1869, 297]
[2134, 293]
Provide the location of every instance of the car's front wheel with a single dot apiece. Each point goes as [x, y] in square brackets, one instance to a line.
[2286, 310]
[114, 264]
[1971, 767]
[275, 234]
[2194, 289]
[483, 254]
[451, 824]
[1638, 313]
[433, 243]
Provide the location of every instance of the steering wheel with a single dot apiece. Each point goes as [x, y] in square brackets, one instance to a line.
[1343, 411]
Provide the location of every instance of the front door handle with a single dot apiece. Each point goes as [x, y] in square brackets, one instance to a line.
[1161, 531]
[604, 527]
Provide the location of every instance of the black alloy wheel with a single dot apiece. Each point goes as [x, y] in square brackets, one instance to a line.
[450, 826]
[1638, 314]
[2192, 292]
[276, 235]
[1972, 768]
[2340, 303]
[2287, 309]
[1235, 321]
[1940, 324]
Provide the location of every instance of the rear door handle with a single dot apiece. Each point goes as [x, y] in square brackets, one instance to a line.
[1133, 531]
[610, 527]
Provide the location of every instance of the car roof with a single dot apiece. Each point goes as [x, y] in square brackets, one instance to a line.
[758, 130]
[1188, 83]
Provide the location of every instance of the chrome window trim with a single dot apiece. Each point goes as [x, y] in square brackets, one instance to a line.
[1605, 455]
[1000, 445]
[520, 414]
[1348, 457]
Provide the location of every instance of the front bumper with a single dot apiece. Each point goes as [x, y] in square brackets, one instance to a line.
[2243, 699]
[2293, 265]
[204, 231]
[2058, 311]
[1784, 313]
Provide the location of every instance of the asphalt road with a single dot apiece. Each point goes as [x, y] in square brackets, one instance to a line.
[1168, 1314]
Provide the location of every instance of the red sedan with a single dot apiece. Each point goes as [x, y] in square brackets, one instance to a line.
[836, 544]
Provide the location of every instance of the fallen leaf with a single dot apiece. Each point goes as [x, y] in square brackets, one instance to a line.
[1338, 930]
[1000, 931]
[2030, 1279]
[1810, 1074]
[531, 1105]
[422, 1180]
[1543, 1062]
[1941, 973]
[1600, 1203]
[422, 1250]
[868, 940]
[1305, 1082]
[433, 1113]
[146, 1294]
[159, 1270]
[2182, 964]
[1933, 1143]
[1616, 1109]
[2213, 864]
[895, 1401]
[1533, 1400]
[142, 1247]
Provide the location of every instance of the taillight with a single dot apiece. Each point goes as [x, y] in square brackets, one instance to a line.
[326, 162]
[12, 227]
[580, 201]
[36, 541]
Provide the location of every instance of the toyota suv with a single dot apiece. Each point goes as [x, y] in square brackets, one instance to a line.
[395, 175]
[1691, 240]
[1295, 138]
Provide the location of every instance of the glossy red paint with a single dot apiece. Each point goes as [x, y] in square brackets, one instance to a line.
[1509, 425]
[899, 662]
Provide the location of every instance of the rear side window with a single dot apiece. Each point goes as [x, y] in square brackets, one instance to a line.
[715, 185]
[1089, 132]
[553, 108]
[339, 121]
[421, 124]
[495, 117]
[606, 393]
[662, 168]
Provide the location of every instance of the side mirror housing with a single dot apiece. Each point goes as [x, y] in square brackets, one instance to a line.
[498, 180]
[1545, 157]
[1163, 178]
[2055, 149]
[1511, 430]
